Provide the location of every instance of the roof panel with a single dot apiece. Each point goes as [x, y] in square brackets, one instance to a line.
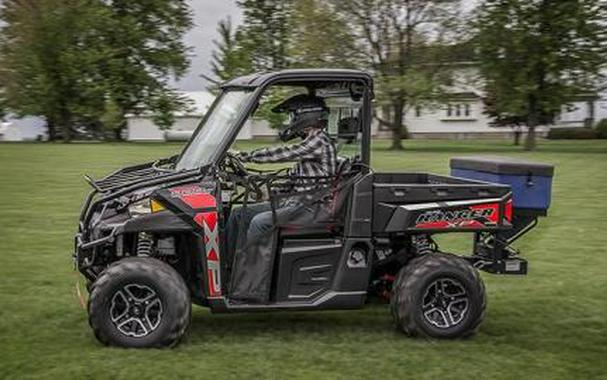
[259, 79]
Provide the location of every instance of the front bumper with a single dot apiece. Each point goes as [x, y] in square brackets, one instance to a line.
[86, 251]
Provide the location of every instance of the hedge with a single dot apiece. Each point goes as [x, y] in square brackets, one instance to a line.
[573, 133]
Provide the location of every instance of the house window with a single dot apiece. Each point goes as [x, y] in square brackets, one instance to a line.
[418, 111]
[458, 111]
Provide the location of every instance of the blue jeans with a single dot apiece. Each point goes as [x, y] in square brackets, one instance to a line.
[251, 258]
[239, 221]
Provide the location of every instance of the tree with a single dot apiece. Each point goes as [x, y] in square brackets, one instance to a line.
[259, 44]
[48, 51]
[399, 37]
[503, 120]
[67, 60]
[266, 32]
[320, 39]
[537, 55]
[147, 48]
[230, 58]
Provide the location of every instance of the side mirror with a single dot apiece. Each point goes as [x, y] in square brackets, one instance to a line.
[348, 128]
[356, 91]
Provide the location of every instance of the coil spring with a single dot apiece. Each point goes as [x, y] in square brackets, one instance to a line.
[423, 244]
[144, 245]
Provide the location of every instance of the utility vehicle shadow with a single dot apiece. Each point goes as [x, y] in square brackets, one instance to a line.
[374, 323]
[373, 319]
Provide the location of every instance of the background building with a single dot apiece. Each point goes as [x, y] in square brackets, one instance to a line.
[29, 128]
[142, 127]
[461, 117]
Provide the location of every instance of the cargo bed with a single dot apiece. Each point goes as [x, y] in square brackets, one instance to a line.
[431, 202]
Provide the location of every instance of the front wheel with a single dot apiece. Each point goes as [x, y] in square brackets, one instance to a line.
[439, 296]
[139, 302]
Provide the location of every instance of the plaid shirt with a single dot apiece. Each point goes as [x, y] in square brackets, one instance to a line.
[316, 156]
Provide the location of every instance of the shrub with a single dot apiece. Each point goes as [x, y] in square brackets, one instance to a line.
[601, 129]
[573, 134]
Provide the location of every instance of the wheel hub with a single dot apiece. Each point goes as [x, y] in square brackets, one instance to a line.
[445, 303]
[136, 310]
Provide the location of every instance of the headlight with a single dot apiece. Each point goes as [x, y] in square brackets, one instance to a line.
[141, 207]
[156, 206]
[145, 206]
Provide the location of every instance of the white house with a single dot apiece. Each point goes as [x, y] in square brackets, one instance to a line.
[142, 128]
[461, 117]
[28, 128]
[590, 110]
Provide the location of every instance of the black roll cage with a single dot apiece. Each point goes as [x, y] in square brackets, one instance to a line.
[258, 83]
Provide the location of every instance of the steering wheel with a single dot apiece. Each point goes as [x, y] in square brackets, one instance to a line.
[236, 165]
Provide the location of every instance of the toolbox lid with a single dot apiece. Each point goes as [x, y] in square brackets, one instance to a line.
[502, 165]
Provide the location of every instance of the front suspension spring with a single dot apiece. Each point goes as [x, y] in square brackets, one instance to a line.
[144, 244]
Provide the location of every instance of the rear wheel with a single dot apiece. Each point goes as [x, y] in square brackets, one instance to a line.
[139, 302]
[439, 296]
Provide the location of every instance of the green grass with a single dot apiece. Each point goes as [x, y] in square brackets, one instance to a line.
[551, 324]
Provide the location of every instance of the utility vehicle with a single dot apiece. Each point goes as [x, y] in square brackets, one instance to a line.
[150, 237]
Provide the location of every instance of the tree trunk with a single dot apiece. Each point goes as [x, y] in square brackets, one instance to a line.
[66, 128]
[397, 126]
[396, 139]
[118, 133]
[67, 134]
[517, 138]
[51, 129]
[532, 122]
[64, 122]
[530, 142]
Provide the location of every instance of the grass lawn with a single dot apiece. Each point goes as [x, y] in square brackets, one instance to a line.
[551, 324]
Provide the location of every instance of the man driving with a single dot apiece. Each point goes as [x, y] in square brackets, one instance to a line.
[315, 156]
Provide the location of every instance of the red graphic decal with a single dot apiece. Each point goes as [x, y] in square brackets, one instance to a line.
[194, 196]
[508, 211]
[492, 215]
[201, 200]
[212, 256]
[208, 220]
[471, 217]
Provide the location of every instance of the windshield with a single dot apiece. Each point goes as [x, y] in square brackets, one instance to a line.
[214, 130]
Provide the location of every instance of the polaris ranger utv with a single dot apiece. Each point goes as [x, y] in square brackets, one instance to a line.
[151, 241]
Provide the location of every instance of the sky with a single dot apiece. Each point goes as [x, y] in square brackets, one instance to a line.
[207, 13]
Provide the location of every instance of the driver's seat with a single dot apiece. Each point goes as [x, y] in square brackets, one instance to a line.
[340, 191]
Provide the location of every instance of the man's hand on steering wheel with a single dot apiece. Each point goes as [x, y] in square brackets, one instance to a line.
[235, 163]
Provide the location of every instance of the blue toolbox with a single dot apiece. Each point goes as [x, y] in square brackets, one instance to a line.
[531, 182]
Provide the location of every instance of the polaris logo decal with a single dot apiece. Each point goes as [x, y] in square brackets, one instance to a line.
[184, 191]
[194, 196]
[474, 216]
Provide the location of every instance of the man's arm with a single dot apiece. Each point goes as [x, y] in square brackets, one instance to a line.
[307, 148]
